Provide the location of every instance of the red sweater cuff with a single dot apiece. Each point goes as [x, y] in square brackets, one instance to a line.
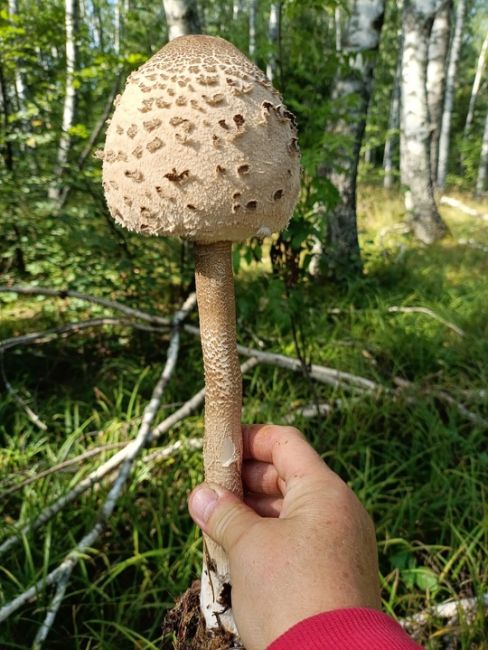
[346, 629]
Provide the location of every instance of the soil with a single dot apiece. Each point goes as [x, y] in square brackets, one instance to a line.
[184, 627]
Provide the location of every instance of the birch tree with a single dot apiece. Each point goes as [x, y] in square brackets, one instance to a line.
[71, 15]
[253, 18]
[13, 10]
[181, 17]
[483, 168]
[393, 118]
[480, 66]
[237, 9]
[426, 223]
[436, 74]
[273, 39]
[352, 92]
[445, 133]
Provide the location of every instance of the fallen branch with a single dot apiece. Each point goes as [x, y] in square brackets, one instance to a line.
[108, 304]
[445, 397]
[191, 444]
[76, 460]
[22, 404]
[459, 205]
[62, 574]
[56, 574]
[394, 309]
[472, 243]
[427, 312]
[45, 336]
[451, 609]
[309, 411]
[109, 466]
[322, 374]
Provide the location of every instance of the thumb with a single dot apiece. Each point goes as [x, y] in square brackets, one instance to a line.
[220, 514]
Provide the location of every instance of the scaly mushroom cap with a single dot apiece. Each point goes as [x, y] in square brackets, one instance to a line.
[200, 146]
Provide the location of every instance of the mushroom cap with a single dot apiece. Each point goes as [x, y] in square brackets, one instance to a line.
[200, 146]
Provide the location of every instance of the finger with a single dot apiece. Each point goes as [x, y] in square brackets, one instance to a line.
[285, 448]
[220, 514]
[262, 478]
[265, 506]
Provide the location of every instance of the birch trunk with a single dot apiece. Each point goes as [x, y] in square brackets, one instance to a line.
[338, 29]
[253, 17]
[352, 91]
[71, 14]
[436, 75]
[117, 26]
[449, 95]
[426, 223]
[13, 10]
[483, 168]
[476, 85]
[393, 121]
[181, 17]
[237, 9]
[274, 39]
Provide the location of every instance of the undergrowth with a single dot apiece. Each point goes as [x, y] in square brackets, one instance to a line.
[417, 461]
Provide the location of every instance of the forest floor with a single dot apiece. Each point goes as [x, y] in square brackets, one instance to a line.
[414, 450]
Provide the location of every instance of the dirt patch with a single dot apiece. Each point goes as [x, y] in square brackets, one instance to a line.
[184, 626]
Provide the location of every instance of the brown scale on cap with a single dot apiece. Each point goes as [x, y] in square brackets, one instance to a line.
[228, 134]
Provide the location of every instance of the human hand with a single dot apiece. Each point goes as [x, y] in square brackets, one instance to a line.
[300, 544]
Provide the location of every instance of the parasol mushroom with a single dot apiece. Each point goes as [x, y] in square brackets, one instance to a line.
[201, 147]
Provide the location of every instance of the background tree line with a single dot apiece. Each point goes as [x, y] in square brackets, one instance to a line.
[393, 91]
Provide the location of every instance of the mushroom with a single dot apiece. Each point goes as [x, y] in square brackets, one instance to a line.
[201, 147]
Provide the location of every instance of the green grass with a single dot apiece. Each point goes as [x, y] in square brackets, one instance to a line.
[418, 464]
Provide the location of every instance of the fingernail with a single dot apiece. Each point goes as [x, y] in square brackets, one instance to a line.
[202, 504]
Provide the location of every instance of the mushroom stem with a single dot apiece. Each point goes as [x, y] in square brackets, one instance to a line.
[222, 451]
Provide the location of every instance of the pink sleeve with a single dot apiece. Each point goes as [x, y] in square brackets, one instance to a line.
[346, 629]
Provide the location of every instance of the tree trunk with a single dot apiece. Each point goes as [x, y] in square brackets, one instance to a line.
[436, 74]
[338, 29]
[117, 26]
[393, 121]
[181, 17]
[427, 225]
[449, 95]
[476, 85]
[253, 17]
[13, 11]
[71, 16]
[352, 92]
[8, 154]
[483, 168]
[237, 9]
[273, 39]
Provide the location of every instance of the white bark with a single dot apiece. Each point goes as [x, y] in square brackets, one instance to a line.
[351, 92]
[449, 94]
[476, 84]
[237, 9]
[273, 38]
[253, 17]
[69, 97]
[338, 29]
[117, 26]
[13, 10]
[436, 74]
[422, 211]
[483, 168]
[181, 17]
[393, 121]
